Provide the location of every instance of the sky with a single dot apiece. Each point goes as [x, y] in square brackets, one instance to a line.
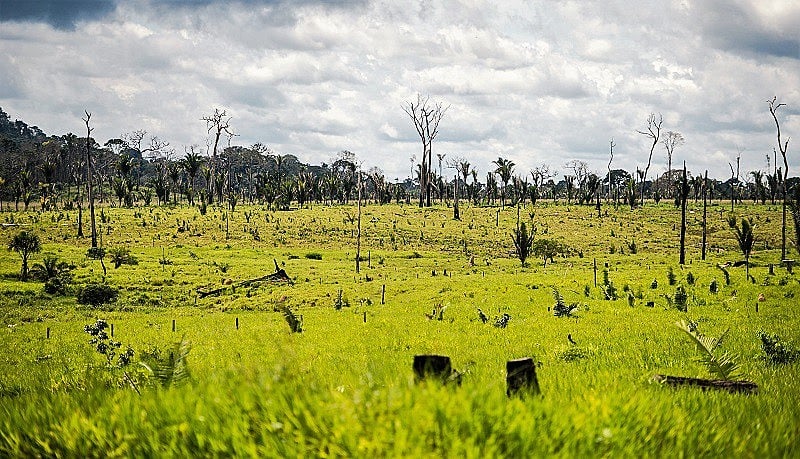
[536, 82]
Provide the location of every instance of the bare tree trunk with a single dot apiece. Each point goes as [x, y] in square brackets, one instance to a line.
[89, 177]
[684, 195]
[456, 215]
[358, 234]
[705, 222]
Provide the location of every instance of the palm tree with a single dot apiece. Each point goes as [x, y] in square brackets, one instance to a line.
[745, 238]
[25, 244]
[191, 164]
[505, 169]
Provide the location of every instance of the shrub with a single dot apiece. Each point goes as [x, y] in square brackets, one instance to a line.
[314, 256]
[122, 256]
[97, 294]
[680, 299]
[777, 352]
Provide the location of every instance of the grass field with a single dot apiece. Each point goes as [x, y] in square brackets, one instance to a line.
[345, 386]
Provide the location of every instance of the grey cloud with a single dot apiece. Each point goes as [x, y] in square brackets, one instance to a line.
[61, 14]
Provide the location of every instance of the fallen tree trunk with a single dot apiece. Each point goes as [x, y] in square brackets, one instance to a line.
[744, 387]
[279, 276]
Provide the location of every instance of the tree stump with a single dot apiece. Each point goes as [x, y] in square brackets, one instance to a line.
[521, 377]
[741, 387]
[432, 366]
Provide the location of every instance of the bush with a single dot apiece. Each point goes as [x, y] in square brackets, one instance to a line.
[122, 256]
[777, 352]
[97, 294]
[314, 256]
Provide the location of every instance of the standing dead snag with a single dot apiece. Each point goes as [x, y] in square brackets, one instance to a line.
[278, 277]
[654, 133]
[773, 109]
[218, 123]
[426, 117]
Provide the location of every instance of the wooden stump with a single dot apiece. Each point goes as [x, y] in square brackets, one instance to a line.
[742, 387]
[432, 366]
[521, 377]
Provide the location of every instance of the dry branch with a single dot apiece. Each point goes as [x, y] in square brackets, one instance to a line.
[744, 387]
[278, 277]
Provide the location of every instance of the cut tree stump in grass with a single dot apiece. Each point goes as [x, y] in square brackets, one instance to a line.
[435, 367]
[521, 377]
[744, 387]
[279, 276]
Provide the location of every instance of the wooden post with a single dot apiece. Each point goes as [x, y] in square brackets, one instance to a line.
[112, 330]
[365, 316]
[48, 332]
[771, 269]
[173, 325]
[433, 366]
[595, 272]
[756, 306]
[237, 323]
[383, 294]
[521, 377]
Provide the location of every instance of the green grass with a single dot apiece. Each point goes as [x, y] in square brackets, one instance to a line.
[344, 387]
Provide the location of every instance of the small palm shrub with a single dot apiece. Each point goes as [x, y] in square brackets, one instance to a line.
[720, 364]
[776, 351]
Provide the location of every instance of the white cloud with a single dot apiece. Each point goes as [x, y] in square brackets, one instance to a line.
[543, 82]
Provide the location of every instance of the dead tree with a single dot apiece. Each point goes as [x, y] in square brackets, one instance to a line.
[610, 175]
[89, 176]
[671, 140]
[654, 133]
[426, 116]
[217, 123]
[684, 196]
[783, 147]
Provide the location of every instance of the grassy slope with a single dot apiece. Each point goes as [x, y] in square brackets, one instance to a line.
[344, 387]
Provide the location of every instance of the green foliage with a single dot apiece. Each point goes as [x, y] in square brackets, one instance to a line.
[106, 346]
[502, 321]
[608, 288]
[744, 234]
[523, 242]
[547, 249]
[25, 243]
[794, 208]
[314, 256]
[97, 294]
[122, 256]
[295, 321]
[169, 370]
[721, 365]
[340, 301]
[776, 351]
[672, 279]
[681, 299]
[561, 309]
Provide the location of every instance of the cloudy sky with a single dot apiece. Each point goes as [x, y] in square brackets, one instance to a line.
[531, 81]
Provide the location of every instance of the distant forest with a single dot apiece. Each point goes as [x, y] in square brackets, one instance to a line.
[53, 171]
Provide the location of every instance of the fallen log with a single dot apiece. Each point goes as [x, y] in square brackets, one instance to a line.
[279, 276]
[744, 387]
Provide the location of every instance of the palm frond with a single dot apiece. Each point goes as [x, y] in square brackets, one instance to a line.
[721, 365]
[173, 370]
